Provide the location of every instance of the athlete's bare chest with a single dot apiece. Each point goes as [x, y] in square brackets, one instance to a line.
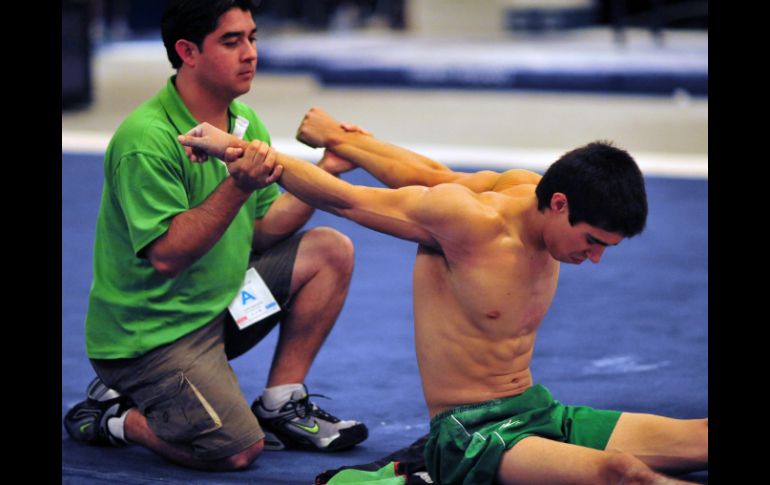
[504, 291]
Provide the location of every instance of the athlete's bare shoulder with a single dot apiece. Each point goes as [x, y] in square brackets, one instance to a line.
[514, 177]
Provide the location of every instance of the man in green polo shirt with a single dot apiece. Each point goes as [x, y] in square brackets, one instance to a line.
[174, 241]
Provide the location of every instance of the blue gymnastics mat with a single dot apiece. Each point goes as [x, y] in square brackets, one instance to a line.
[579, 62]
[628, 334]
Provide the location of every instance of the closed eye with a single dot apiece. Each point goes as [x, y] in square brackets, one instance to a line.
[594, 240]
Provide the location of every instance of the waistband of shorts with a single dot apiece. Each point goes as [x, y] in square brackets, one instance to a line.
[476, 405]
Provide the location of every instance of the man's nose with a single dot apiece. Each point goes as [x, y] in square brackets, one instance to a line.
[250, 51]
[595, 253]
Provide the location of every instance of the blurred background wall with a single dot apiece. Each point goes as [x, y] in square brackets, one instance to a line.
[467, 80]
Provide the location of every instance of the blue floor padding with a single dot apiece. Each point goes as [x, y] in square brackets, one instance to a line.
[628, 334]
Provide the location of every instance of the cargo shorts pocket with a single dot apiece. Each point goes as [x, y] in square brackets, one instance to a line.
[176, 410]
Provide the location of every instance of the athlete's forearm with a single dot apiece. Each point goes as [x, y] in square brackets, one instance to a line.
[384, 210]
[286, 215]
[313, 185]
[399, 167]
[393, 165]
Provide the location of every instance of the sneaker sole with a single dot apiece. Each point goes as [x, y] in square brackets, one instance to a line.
[272, 443]
[348, 438]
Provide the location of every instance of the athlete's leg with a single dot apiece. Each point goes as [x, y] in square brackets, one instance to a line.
[539, 461]
[666, 444]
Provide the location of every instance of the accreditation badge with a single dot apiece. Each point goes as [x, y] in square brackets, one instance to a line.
[254, 302]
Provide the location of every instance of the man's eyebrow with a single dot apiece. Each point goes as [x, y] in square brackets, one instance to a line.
[596, 240]
[237, 33]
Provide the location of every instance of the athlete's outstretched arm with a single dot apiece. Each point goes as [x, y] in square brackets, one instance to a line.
[436, 217]
[393, 165]
[448, 216]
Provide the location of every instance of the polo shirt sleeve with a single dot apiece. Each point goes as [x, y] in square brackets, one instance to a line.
[151, 191]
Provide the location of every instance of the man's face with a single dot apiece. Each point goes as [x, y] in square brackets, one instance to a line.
[228, 59]
[575, 244]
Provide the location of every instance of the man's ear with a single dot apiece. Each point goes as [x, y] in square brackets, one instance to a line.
[559, 202]
[187, 51]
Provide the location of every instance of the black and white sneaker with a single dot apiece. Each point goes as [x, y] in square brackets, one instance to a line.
[86, 422]
[300, 424]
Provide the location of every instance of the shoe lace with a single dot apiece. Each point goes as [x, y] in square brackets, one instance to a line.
[303, 407]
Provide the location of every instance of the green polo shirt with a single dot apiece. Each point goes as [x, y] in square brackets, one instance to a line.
[148, 180]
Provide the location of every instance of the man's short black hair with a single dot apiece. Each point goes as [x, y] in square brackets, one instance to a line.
[603, 185]
[193, 20]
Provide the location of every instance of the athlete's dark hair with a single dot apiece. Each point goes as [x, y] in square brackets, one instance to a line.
[603, 185]
[193, 20]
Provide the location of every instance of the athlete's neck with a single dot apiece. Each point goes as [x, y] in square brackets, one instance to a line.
[533, 225]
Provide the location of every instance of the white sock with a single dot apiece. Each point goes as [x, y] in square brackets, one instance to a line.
[115, 426]
[277, 396]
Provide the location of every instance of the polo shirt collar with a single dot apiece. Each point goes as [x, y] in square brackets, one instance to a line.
[177, 111]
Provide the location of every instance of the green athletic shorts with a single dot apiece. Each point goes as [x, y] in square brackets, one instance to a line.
[467, 442]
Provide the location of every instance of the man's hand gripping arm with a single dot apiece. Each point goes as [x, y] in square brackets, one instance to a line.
[433, 217]
[287, 214]
[194, 232]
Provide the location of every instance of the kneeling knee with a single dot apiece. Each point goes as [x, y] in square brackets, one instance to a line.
[335, 247]
[243, 459]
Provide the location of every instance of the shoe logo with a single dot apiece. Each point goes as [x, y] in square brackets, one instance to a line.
[84, 426]
[310, 429]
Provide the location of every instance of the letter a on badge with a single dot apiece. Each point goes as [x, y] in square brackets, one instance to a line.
[246, 296]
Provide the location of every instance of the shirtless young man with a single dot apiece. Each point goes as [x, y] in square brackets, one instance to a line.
[486, 271]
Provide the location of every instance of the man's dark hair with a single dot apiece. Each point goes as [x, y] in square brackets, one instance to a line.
[193, 20]
[603, 185]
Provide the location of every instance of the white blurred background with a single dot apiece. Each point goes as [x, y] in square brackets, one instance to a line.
[126, 64]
